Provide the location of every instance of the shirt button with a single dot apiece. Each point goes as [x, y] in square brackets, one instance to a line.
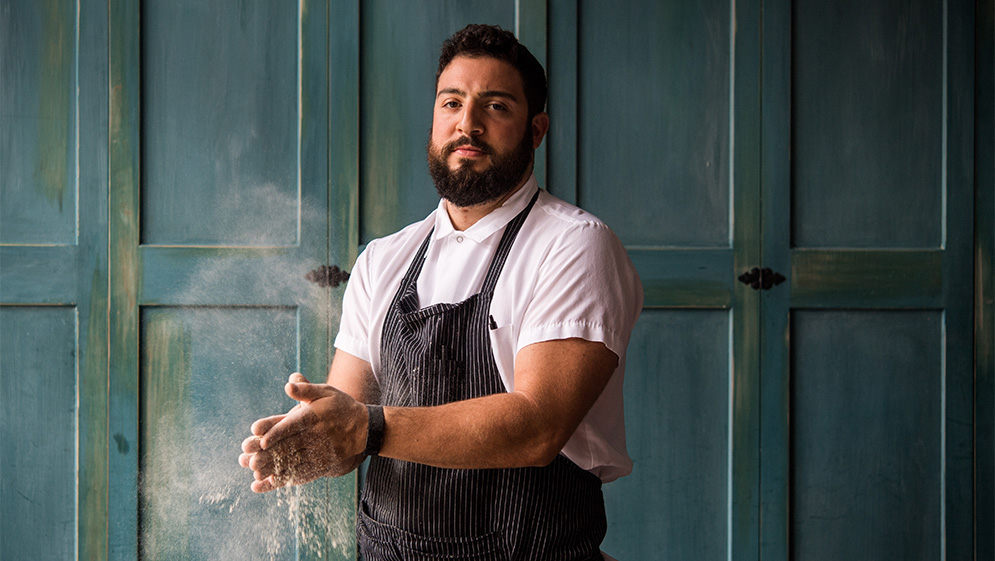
[459, 239]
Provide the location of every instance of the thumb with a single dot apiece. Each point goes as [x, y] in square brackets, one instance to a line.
[307, 392]
[297, 378]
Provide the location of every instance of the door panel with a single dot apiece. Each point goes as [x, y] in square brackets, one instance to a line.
[38, 122]
[223, 111]
[653, 156]
[867, 124]
[677, 405]
[649, 150]
[867, 451]
[38, 415]
[867, 390]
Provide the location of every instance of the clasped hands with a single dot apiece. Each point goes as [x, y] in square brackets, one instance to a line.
[322, 436]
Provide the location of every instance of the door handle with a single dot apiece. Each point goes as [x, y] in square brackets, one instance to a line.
[761, 279]
[325, 276]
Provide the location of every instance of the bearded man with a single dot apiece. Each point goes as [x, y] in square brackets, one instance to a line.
[481, 351]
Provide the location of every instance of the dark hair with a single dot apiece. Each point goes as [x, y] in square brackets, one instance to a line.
[476, 40]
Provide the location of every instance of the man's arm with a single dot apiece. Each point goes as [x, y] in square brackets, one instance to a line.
[353, 376]
[556, 383]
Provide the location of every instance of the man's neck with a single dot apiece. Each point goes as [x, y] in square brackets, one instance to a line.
[463, 217]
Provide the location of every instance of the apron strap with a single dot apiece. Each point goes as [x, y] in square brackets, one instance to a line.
[504, 248]
[409, 284]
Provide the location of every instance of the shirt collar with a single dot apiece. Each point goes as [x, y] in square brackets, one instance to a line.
[494, 221]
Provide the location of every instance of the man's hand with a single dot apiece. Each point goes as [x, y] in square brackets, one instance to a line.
[323, 436]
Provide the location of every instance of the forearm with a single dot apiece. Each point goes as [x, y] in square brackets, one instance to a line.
[496, 431]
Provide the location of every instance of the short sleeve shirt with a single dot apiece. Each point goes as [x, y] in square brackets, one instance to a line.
[567, 276]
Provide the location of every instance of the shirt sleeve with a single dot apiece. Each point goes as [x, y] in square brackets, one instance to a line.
[587, 288]
[354, 327]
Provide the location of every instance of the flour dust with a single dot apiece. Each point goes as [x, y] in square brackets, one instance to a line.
[212, 363]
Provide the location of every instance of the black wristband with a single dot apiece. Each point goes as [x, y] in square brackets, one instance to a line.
[374, 430]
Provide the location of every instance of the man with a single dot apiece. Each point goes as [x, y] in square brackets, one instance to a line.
[489, 338]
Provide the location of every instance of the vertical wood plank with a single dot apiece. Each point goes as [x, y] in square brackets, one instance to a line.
[561, 72]
[746, 180]
[674, 505]
[123, 227]
[775, 254]
[984, 275]
[532, 30]
[958, 278]
[93, 481]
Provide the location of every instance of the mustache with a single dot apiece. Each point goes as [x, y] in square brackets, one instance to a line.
[466, 141]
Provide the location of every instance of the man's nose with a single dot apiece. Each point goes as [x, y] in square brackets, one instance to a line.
[470, 123]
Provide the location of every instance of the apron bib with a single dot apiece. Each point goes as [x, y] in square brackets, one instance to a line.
[413, 511]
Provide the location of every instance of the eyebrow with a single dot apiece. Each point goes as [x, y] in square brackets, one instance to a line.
[486, 93]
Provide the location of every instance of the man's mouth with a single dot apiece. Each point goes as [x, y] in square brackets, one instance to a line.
[468, 152]
[467, 148]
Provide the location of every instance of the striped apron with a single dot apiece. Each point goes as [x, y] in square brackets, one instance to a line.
[413, 511]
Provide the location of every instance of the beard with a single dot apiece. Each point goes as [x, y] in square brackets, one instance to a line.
[465, 186]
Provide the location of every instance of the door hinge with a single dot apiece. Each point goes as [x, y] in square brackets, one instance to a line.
[326, 276]
[761, 279]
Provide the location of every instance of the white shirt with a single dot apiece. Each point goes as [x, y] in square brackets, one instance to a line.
[567, 276]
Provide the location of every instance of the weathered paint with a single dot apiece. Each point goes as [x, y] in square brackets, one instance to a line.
[166, 422]
[93, 483]
[124, 269]
[866, 277]
[38, 115]
[38, 421]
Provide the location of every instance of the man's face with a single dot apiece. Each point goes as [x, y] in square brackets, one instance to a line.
[482, 141]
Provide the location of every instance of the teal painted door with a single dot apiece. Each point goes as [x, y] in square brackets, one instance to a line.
[53, 283]
[868, 381]
[219, 209]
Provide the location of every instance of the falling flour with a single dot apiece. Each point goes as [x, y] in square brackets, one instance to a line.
[208, 371]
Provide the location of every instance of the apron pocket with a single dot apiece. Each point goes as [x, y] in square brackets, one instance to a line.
[489, 547]
[384, 542]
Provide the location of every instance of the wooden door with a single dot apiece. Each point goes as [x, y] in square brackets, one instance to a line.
[219, 209]
[868, 382]
[53, 283]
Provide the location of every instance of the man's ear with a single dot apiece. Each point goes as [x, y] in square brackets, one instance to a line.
[540, 125]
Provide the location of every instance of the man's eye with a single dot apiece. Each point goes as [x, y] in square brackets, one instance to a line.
[498, 107]
[451, 104]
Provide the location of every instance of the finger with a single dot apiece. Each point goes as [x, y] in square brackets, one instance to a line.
[288, 426]
[298, 378]
[263, 425]
[266, 485]
[244, 459]
[251, 445]
[262, 465]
